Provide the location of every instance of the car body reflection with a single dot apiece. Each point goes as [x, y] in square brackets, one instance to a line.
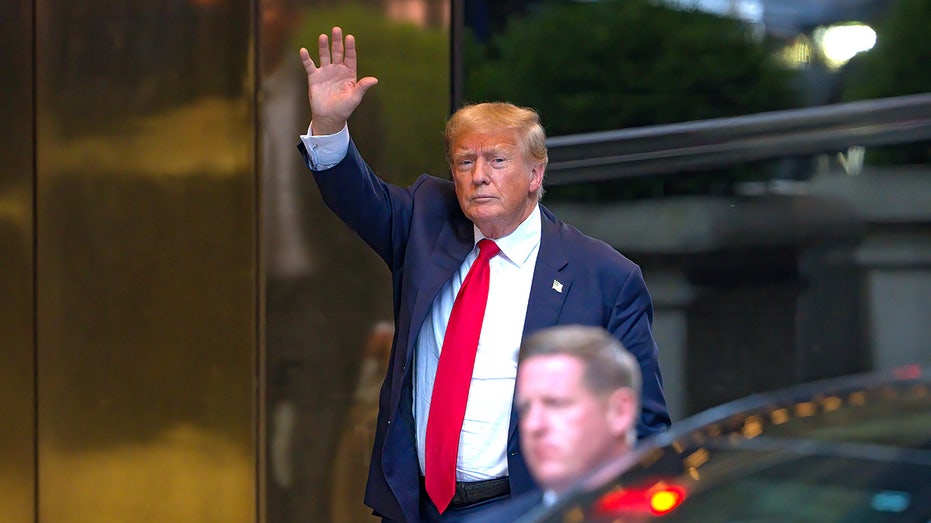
[852, 449]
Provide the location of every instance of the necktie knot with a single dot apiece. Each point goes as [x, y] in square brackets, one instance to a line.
[487, 249]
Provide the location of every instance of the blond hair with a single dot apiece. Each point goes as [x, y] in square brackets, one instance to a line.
[492, 116]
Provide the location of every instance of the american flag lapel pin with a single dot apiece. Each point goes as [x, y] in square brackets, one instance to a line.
[557, 286]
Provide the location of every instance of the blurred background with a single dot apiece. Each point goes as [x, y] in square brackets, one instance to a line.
[189, 335]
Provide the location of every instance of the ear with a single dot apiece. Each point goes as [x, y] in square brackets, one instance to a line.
[622, 411]
[536, 176]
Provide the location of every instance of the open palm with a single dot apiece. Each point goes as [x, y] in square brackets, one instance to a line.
[333, 88]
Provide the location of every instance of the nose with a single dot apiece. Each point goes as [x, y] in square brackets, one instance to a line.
[532, 420]
[480, 175]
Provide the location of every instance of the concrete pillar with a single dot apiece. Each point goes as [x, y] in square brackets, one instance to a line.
[672, 294]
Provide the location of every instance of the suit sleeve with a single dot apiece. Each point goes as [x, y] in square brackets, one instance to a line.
[377, 211]
[631, 322]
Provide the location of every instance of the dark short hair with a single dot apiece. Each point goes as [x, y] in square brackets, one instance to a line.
[608, 365]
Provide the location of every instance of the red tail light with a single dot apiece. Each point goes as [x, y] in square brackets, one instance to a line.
[657, 499]
[666, 499]
[908, 372]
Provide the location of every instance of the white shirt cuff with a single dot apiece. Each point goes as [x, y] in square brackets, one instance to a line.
[326, 150]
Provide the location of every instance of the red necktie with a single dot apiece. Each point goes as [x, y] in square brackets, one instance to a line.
[453, 377]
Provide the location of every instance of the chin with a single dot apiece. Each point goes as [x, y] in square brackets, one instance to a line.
[550, 476]
[478, 214]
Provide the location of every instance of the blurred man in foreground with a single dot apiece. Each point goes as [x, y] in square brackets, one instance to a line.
[577, 397]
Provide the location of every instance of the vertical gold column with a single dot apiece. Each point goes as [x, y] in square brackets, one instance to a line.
[146, 262]
[17, 391]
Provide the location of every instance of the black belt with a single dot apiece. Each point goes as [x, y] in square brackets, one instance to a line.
[471, 492]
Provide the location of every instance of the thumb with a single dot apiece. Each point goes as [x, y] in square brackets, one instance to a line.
[364, 84]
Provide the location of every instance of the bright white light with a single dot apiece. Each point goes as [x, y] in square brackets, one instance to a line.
[840, 43]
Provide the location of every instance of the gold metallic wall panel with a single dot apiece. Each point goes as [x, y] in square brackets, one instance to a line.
[143, 252]
[146, 250]
[17, 396]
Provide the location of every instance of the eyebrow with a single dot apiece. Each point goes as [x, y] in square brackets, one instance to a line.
[493, 152]
[500, 149]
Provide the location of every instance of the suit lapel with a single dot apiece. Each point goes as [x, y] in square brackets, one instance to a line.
[453, 244]
[551, 283]
[550, 286]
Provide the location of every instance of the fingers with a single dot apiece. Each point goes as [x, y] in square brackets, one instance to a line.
[323, 47]
[337, 53]
[307, 61]
[350, 57]
[327, 56]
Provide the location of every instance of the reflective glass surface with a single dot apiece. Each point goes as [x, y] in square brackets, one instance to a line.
[328, 319]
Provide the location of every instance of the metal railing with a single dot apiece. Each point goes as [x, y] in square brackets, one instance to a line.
[723, 142]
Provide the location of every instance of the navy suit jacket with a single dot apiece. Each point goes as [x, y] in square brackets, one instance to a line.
[423, 236]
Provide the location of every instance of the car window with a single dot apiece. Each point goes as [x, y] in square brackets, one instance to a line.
[814, 489]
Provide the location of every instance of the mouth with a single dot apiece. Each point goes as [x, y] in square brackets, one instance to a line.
[544, 453]
[482, 199]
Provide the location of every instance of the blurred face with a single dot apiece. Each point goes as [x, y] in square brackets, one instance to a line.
[496, 186]
[567, 431]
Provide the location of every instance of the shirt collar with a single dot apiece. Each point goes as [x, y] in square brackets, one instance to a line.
[520, 244]
[550, 498]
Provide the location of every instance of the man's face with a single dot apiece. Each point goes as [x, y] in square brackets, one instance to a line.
[567, 431]
[496, 186]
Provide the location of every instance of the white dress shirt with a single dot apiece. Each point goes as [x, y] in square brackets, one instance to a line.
[483, 442]
[326, 150]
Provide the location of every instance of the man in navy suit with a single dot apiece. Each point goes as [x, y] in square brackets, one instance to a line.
[547, 273]
[577, 400]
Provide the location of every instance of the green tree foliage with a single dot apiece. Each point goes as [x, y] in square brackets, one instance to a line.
[897, 66]
[900, 62]
[626, 63]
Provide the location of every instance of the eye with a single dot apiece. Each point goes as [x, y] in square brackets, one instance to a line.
[558, 403]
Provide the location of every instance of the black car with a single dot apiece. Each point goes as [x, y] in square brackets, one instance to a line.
[846, 450]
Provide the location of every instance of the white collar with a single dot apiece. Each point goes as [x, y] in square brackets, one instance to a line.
[520, 244]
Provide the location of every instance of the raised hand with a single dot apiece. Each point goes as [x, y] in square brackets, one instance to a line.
[333, 89]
